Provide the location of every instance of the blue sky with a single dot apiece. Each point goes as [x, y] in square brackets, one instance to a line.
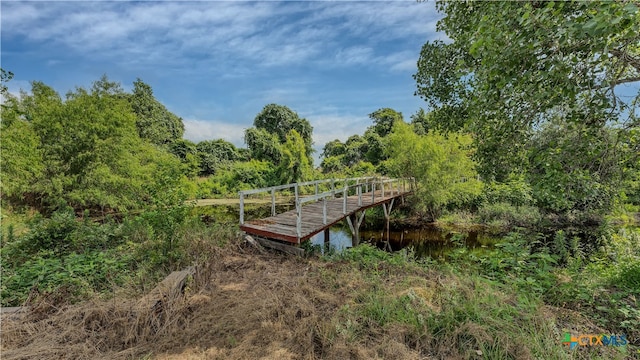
[216, 64]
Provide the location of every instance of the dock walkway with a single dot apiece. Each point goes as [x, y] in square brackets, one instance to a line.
[314, 213]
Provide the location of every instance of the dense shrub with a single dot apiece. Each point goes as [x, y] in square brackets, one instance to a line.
[505, 215]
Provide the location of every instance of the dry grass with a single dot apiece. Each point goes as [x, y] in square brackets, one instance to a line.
[242, 305]
[247, 305]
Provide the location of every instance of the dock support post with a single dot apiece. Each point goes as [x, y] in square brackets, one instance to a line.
[354, 221]
[327, 243]
[387, 213]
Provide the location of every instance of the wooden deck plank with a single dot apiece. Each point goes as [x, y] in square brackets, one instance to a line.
[283, 226]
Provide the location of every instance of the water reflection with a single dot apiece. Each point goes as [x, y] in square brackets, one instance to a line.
[426, 241]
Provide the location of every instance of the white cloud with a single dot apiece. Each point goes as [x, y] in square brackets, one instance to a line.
[199, 130]
[328, 127]
[225, 34]
[354, 55]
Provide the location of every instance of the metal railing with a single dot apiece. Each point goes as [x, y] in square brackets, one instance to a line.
[350, 186]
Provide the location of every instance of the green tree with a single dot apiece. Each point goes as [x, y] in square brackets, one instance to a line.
[571, 167]
[92, 156]
[187, 152]
[511, 68]
[442, 166]
[294, 165]
[375, 149]
[215, 153]
[356, 150]
[333, 164]
[383, 120]
[333, 148]
[154, 122]
[422, 122]
[263, 145]
[5, 77]
[280, 120]
[20, 159]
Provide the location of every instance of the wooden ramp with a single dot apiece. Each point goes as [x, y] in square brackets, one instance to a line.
[320, 210]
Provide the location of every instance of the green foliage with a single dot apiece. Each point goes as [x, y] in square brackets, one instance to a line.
[187, 152]
[279, 120]
[333, 164]
[383, 120]
[515, 191]
[83, 151]
[333, 148]
[356, 149]
[239, 176]
[574, 168]
[536, 85]
[422, 122]
[294, 165]
[441, 165]
[78, 275]
[81, 258]
[5, 77]
[368, 148]
[375, 149]
[606, 286]
[514, 262]
[446, 312]
[154, 122]
[263, 145]
[21, 161]
[503, 215]
[214, 154]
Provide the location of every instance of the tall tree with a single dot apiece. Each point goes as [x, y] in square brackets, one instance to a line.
[91, 155]
[20, 156]
[295, 165]
[333, 148]
[154, 122]
[215, 153]
[441, 165]
[263, 145]
[383, 120]
[280, 120]
[513, 67]
[5, 77]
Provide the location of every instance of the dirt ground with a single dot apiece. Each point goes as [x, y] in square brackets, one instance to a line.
[244, 305]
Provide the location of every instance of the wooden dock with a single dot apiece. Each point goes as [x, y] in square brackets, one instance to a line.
[314, 213]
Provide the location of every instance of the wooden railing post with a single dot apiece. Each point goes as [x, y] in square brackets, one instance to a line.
[298, 218]
[373, 191]
[273, 202]
[359, 195]
[344, 200]
[241, 208]
[324, 210]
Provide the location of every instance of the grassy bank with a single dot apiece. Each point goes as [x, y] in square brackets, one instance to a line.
[511, 303]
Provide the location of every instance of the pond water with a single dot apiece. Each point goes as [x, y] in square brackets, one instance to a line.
[425, 241]
[428, 241]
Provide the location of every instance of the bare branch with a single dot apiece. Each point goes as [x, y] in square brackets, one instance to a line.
[626, 58]
[627, 80]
